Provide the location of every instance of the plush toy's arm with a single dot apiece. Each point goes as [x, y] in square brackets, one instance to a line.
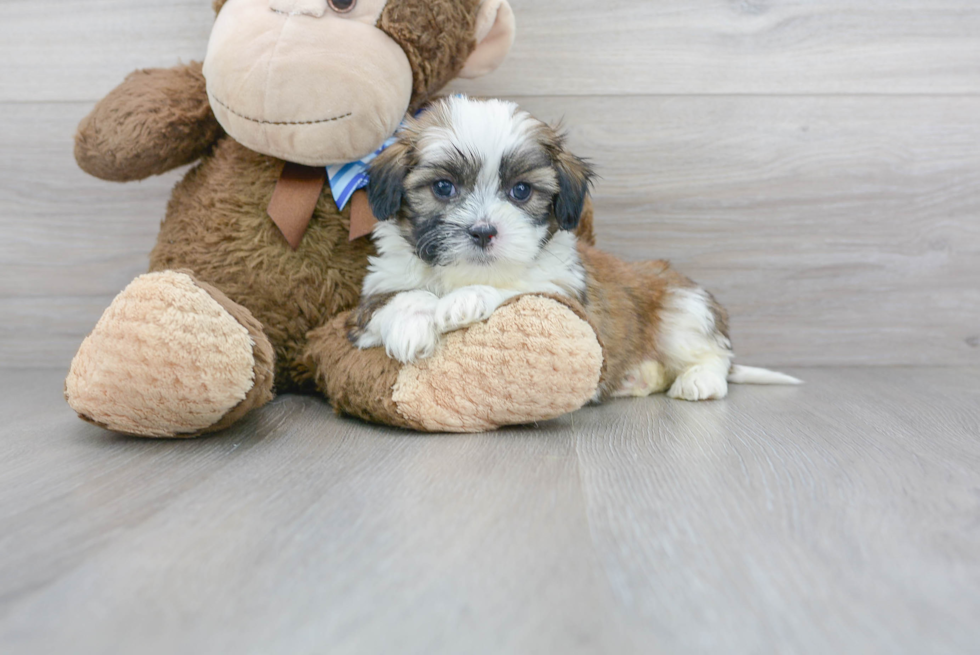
[156, 120]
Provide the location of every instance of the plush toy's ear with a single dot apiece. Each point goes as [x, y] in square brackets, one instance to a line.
[575, 177]
[386, 180]
[495, 32]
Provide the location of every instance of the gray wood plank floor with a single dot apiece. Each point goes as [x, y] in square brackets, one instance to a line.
[839, 517]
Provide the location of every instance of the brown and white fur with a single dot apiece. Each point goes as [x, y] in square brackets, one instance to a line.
[478, 202]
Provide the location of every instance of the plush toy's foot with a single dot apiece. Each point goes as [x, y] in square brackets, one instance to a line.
[533, 360]
[171, 357]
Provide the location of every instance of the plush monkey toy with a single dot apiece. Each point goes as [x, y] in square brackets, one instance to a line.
[256, 265]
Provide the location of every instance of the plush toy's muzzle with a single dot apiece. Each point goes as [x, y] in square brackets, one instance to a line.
[306, 83]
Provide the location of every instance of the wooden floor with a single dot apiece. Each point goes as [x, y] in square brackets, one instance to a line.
[839, 517]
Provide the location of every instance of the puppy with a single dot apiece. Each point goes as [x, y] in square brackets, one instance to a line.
[478, 201]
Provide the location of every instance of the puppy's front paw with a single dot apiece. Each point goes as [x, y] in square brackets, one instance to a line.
[412, 338]
[699, 383]
[465, 307]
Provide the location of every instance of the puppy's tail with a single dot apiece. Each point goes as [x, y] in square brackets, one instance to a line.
[752, 375]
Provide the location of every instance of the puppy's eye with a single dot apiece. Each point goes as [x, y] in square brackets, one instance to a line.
[342, 6]
[444, 189]
[521, 192]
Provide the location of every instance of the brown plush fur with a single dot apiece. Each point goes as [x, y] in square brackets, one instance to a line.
[358, 382]
[437, 36]
[217, 226]
[117, 141]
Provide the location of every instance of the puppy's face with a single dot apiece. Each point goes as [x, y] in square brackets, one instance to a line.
[478, 182]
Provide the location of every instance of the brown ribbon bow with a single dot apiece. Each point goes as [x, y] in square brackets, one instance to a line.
[297, 192]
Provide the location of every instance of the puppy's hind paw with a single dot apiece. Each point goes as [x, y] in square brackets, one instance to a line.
[699, 383]
[465, 307]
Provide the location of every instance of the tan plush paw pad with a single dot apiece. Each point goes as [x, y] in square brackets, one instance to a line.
[166, 359]
[533, 360]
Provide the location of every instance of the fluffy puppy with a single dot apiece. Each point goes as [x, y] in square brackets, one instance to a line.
[478, 202]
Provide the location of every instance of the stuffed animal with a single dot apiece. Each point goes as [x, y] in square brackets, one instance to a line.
[261, 252]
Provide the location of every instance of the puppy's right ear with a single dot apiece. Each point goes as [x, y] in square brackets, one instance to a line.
[386, 184]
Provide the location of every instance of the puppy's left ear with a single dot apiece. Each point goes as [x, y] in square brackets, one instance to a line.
[575, 177]
[386, 180]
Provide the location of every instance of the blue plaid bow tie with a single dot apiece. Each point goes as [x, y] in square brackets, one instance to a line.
[345, 179]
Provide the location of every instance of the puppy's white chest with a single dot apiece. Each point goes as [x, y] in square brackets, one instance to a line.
[498, 276]
[557, 269]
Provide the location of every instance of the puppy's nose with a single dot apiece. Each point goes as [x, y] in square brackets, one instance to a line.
[482, 235]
